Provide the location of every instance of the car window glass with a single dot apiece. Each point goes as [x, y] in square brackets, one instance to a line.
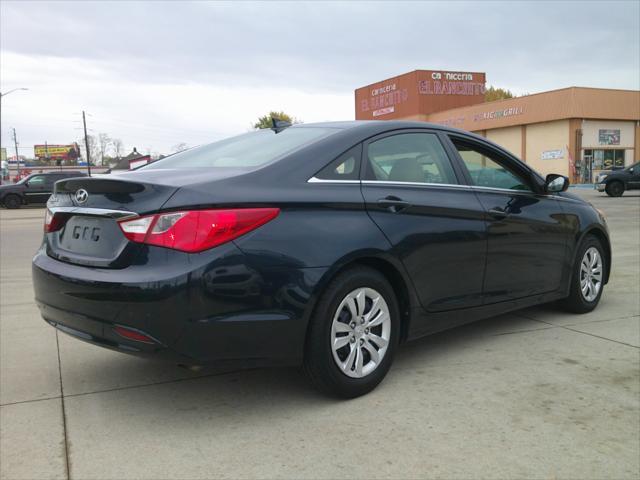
[37, 180]
[244, 151]
[345, 167]
[486, 169]
[410, 157]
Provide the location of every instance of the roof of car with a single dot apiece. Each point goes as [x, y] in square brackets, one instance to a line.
[373, 127]
[370, 124]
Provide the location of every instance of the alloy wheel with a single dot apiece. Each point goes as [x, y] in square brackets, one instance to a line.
[591, 274]
[360, 332]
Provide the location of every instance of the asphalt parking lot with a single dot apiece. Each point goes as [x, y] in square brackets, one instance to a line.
[534, 394]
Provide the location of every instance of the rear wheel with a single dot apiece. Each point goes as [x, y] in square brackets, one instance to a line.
[353, 334]
[12, 201]
[615, 189]
[587, 280]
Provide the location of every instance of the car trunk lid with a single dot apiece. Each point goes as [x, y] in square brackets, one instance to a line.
[90, 208]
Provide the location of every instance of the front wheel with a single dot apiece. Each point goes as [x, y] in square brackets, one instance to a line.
[353, 334]
[587, 279]
[12, 201]
[615, 189]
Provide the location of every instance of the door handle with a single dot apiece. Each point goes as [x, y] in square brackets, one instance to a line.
[393, 204]
[498, 213]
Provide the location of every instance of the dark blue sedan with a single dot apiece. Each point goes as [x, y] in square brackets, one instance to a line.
[325, 245]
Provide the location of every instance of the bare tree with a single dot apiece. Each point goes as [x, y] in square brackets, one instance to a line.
[117, 146]
[104, 141]
[94, 150]
[179, 147]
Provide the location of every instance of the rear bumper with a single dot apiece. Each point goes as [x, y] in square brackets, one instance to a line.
[199, 311]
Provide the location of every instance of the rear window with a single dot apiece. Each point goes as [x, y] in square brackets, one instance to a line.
[244, 151]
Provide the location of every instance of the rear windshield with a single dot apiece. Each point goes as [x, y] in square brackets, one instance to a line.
[244, 151]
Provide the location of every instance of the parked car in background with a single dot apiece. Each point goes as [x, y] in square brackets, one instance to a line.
[325, 245]
[616, 182]
[603, 173]
[33, 189]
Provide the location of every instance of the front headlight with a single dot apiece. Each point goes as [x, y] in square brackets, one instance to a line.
[602, 177]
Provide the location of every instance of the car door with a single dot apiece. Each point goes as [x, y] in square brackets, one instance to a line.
[413, 193]
[36, 189]
[527, 232]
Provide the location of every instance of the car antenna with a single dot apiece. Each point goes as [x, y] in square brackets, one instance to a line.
[279, 125]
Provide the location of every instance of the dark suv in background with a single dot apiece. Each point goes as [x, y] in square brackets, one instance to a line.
[34, 189]
[616, 182]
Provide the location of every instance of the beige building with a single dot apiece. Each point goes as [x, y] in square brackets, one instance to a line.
[574, 131]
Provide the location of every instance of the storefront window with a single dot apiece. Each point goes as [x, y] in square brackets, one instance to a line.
[604, 159]
[598, 159]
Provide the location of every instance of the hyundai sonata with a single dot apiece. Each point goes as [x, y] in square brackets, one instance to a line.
[325, 245]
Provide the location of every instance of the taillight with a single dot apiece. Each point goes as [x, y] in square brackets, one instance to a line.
[195, 230]
[54, 221]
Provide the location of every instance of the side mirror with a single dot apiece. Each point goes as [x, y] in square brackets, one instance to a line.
[631, 170]
[555, 183]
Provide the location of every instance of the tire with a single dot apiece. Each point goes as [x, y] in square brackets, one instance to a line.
[577, 301]
[12, 201]
[329, 326]
[615, 189]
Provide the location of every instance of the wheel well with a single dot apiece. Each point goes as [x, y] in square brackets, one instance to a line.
[604, 241]
[11, 194]
[397, 282]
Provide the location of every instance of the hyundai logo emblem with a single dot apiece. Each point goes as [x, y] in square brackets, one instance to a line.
[82, 195]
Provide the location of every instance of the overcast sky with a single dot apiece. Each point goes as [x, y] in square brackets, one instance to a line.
[157, 74]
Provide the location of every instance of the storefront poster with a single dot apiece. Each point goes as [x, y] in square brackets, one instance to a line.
[609, 137]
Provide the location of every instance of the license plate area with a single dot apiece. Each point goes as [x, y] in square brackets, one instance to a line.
[92, 236]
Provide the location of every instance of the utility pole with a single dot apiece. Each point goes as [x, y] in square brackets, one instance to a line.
[15, 144]
[86, 144]
[2, 95]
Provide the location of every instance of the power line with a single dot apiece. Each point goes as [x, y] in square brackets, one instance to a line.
[145, 126]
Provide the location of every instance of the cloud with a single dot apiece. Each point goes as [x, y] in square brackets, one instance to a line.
[155, 73]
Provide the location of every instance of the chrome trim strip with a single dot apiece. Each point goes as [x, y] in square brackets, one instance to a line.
[100, 212]
[320, 180]
[414, 184]
[442, 185]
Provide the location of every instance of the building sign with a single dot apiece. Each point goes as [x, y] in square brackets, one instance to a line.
[450, 83]
[496, 114]
[383, 100]
[57, 152]
[552, 154]
[419, 93]
[383, 111]
[452, 122]
[609, 137]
